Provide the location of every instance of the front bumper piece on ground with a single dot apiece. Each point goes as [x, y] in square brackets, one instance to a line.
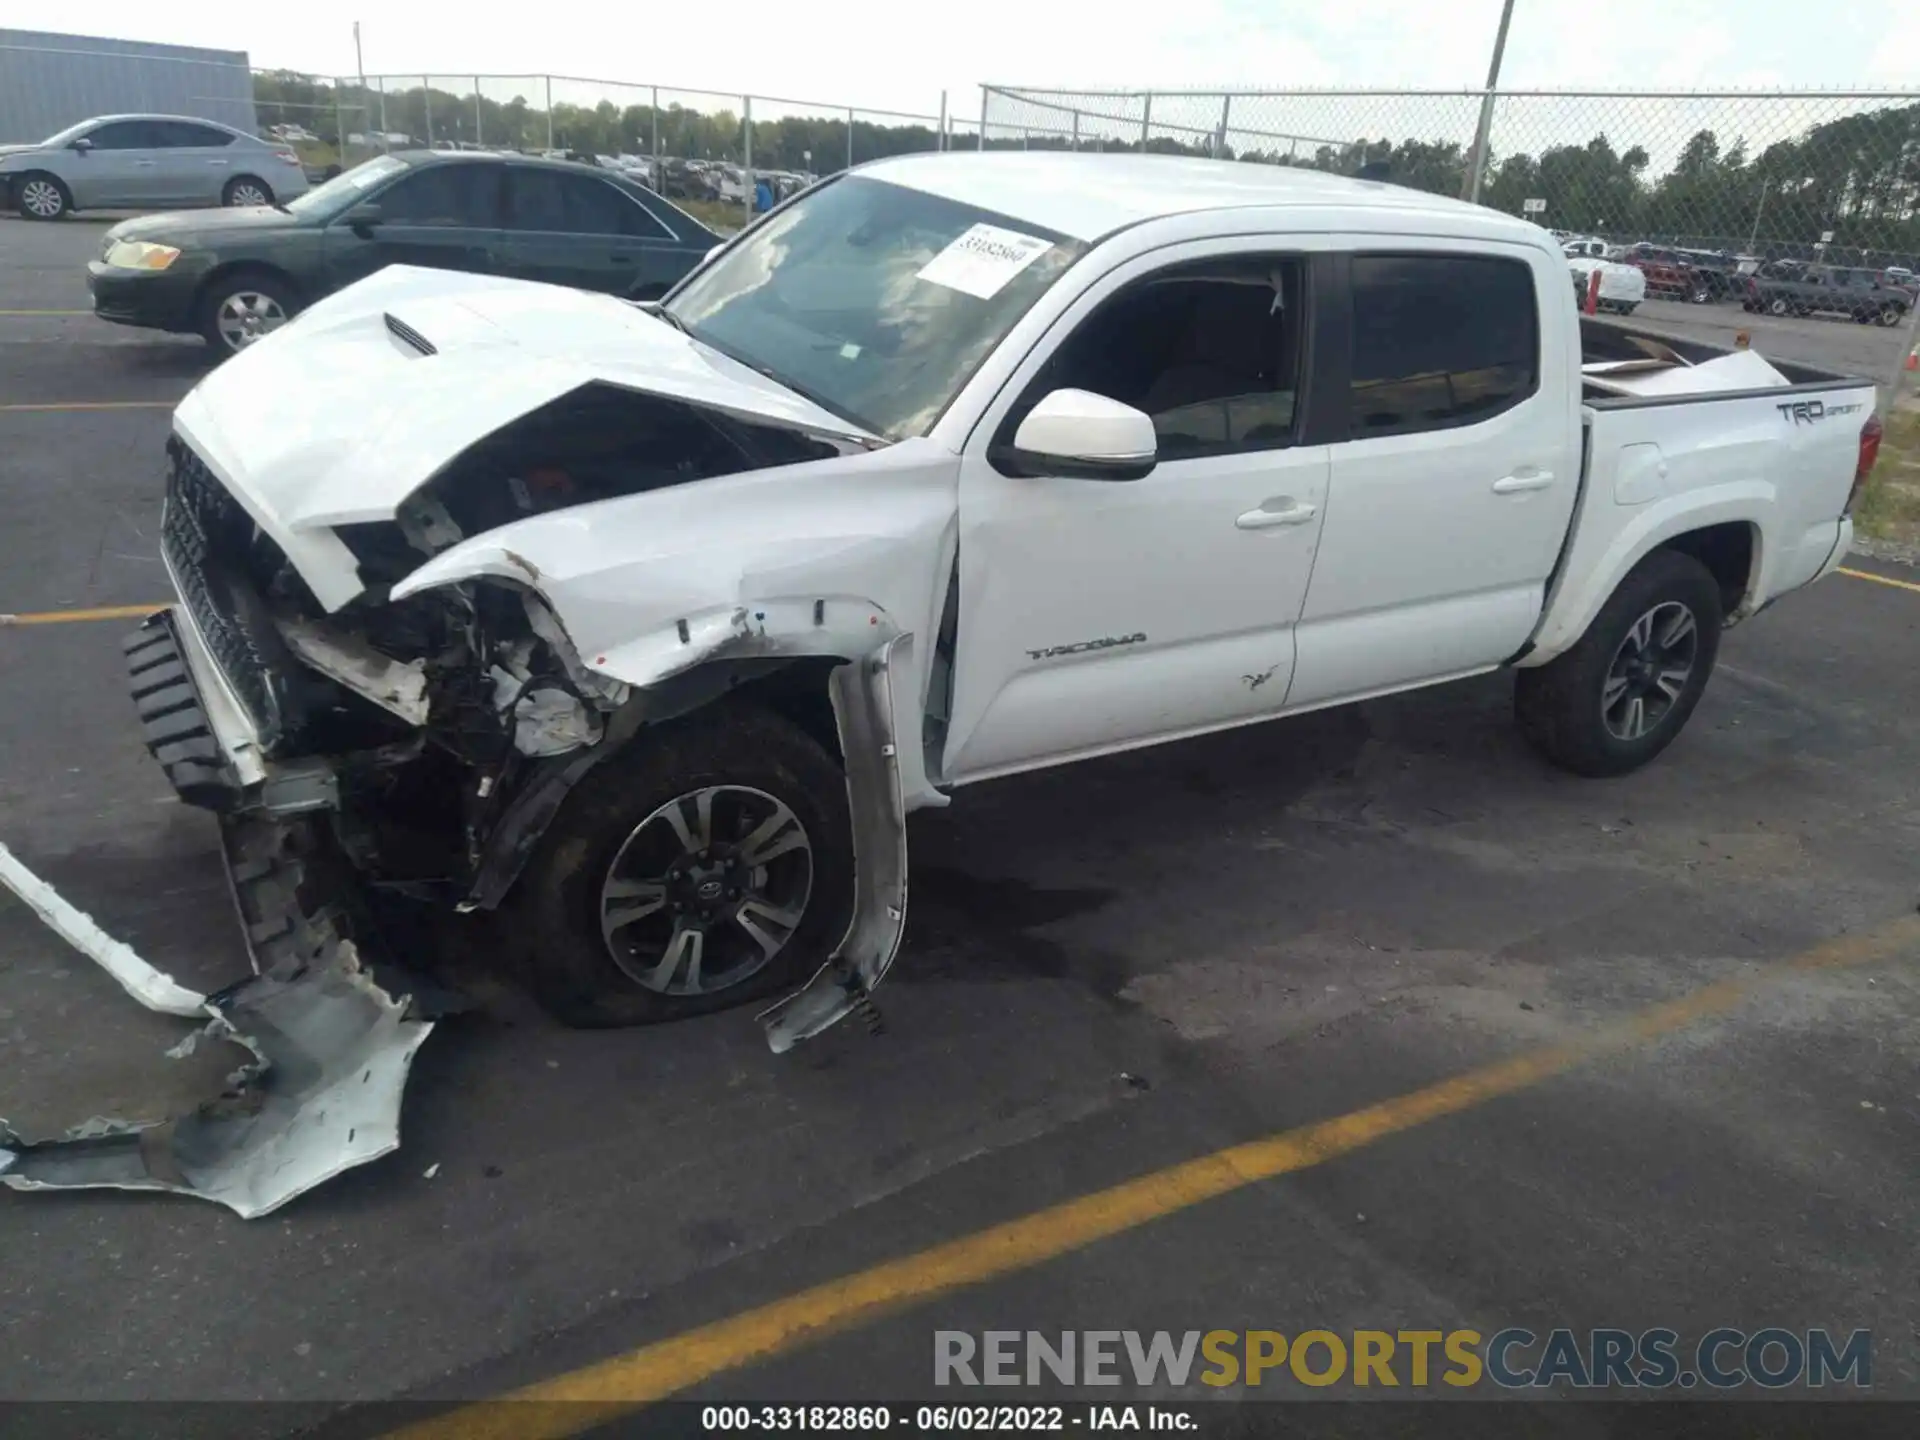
[333, 1037]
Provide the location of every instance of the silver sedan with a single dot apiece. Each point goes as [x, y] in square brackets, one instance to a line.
[147, 162]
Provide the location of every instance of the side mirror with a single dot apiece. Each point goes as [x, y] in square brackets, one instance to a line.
[1080, 436]
[363, 217]
[81, 146]
[713, 252]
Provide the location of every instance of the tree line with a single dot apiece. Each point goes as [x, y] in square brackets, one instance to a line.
[1857, 176]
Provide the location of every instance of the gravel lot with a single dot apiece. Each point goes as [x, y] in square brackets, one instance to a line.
[1110, 968]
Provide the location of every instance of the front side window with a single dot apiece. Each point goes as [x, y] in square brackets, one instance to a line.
[184, 135]
[875, 301]
[457, 196]
[1210, 350]
[348, 188]
[1440, 340]
[127, 135]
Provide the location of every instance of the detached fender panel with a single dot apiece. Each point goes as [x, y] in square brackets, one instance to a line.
[863, 710]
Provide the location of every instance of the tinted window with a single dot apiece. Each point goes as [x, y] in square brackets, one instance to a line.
[466, 196]
[183, 135]
[127, 135]
[574, 204]
[1439, 340]
[1210, 351]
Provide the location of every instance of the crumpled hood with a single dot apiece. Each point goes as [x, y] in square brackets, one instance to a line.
[338, 417]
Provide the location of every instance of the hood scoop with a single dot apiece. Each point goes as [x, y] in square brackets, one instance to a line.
[409, 337]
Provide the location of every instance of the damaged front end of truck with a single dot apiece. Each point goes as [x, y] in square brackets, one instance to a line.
[387, 687]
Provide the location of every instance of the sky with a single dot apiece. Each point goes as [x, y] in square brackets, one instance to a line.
[884, 55]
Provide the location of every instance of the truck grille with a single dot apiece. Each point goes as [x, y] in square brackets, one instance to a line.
[214, 550]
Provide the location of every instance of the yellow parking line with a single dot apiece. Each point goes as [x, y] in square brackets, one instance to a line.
[596, 1394]
[1881, 579]
[72, 617]
[92, 405]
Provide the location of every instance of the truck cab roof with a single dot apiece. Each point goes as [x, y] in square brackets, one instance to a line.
[1090, 197]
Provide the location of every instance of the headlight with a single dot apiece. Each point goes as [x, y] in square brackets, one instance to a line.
[141, 255]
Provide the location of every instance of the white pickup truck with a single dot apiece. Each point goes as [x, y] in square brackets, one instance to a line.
[643, 628]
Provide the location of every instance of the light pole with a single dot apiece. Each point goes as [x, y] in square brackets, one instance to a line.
[1477, 161]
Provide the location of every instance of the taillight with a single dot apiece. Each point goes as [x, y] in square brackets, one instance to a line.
[1870, 434]
[286, 155]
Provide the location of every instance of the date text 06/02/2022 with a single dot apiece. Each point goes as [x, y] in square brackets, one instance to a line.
[939, 1419]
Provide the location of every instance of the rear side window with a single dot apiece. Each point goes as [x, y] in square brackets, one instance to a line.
[1439, 341]
[184, 135]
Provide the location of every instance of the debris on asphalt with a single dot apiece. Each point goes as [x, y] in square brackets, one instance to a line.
[431, 1171]
[331, 1050]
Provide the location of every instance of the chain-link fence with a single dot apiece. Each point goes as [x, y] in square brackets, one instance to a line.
[1791, 176]
[703, 148]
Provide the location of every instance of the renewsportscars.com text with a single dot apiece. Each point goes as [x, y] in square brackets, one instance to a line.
[1721, 1359]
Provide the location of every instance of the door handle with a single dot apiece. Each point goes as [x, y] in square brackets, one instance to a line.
[1281, 510]
[1523, 480]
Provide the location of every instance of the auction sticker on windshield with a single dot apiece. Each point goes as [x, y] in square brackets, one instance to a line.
[983, 260]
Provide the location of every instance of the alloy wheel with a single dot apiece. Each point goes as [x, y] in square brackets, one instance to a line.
[246, 315]
[247, 193]
[1650, 671]
[42, 198]
[706, 890]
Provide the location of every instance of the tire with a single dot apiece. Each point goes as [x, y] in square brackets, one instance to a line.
[40, 196]
[1700, 294]
[1779, 306]
[1563, 707]
[1891, 316]
[612, 830]
[246, 190]
[240, 306]
[1629, 307]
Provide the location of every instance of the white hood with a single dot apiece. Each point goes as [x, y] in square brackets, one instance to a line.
[337, 419]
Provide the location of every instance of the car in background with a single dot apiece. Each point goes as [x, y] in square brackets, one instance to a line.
[233, 276]
[1669, 276]
[1590, 247]
[1859, 294]
[147, 162]
[1717, 276]
[1622, 287]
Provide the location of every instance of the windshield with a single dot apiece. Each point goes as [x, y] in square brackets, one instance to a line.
[345, 189]
[874, 301]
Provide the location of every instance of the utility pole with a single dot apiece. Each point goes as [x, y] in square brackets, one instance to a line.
[1477, 160]
[366, 115]
[1754, 238]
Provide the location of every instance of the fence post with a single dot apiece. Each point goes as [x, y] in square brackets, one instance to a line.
[339, 125]
[1220, 144]
[1898, 376]
[849, 137]
[1146, 122]
[658, 180]
[384, 128]
[746, 110]
[982, 143]
[941, 142]
[426, 97]
[478, 138]
[1076, 129]
[549, 80]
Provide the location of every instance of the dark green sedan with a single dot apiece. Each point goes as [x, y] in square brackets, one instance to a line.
[234, 275]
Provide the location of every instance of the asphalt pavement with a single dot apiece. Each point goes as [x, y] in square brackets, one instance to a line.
[1110, 970]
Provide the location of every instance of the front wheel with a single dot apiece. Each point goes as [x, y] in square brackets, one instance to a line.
[708, 864]
[1623, 692]
[1700, 294]
[238, 309]
[42, 197]
[1891, 315]
[1779, 307]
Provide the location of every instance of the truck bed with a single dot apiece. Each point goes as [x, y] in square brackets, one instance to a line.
[1603, 339]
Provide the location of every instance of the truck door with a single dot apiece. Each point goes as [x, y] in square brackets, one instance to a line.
[1454, 483]
[1099, 614]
